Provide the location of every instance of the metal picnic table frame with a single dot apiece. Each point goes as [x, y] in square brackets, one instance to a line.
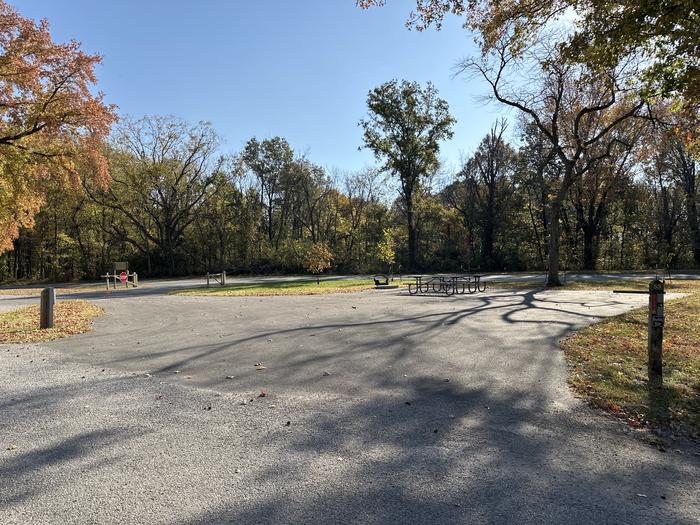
[446, 284]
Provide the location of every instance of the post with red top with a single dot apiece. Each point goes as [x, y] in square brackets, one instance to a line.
[656, 332]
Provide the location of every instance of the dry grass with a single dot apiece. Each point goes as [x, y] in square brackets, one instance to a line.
[70, 318]
[608, 364]
[302, 287]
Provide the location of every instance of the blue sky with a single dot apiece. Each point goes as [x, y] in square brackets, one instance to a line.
[298, 69]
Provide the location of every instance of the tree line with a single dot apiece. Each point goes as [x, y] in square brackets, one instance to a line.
[176, 206]
[597, 168]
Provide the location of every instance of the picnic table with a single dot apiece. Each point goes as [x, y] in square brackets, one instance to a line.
[446, 284]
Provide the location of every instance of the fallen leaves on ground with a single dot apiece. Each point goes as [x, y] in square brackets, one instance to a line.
[608, 365]
[70, 318]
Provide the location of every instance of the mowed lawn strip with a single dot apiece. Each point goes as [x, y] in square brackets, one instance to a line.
[62, 291]
[580, 284]
[608, 364]
[70, 318]
[303, 287]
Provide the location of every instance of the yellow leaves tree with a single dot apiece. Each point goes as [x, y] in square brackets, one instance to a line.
[51, 125]
[318, 259]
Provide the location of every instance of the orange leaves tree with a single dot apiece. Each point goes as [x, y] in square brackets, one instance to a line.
[51, 125]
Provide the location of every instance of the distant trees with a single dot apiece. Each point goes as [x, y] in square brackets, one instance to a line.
[483, 191]
[404, 128]
[270, 161]
[164, 171]
[51, 124]
[176, 206]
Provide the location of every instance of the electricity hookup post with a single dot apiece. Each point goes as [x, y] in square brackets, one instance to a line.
[655, 328]
[656, 332]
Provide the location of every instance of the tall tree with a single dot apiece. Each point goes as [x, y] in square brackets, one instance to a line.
[684, 167]
[577, 110]
[50, 122]
[269, 160]
[164, 170]
[404, 128]
[488, 177]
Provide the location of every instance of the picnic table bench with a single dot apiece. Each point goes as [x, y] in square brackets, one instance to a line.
[447, 284]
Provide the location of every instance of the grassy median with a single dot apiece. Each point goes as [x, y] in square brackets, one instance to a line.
[608, 363]
[302, 287]
[70, 318]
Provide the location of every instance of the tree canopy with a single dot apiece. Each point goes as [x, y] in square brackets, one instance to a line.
[50, 122]
[404, 128]
[663, 33]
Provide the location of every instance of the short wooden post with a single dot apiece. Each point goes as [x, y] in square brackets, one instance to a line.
[223, 277]
[107, 280]
[207, 279]
[656, 332]
[136, 280]
[48, 299]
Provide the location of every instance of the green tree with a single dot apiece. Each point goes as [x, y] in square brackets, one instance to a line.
[269, 160]
[385, 249]
[404, 128]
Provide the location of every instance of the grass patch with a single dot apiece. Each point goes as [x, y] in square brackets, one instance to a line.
[584, 285]
[305, 287]
[608, 364]
[70, 318]
[31, 292]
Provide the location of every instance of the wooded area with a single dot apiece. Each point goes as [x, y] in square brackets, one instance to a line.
[597, 169]
[175, 206]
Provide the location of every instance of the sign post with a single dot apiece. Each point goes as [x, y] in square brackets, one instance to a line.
[655, 337]
[656, 332]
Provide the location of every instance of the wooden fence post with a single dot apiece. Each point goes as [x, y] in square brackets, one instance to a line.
[223, 277]
[48, 299]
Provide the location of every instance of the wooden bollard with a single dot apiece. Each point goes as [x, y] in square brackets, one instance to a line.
[656, 332]
[223, 277]
[48, 300]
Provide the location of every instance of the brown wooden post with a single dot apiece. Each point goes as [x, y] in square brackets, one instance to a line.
[223, 277]
[207, 279]
[656, 332]
[48, 299]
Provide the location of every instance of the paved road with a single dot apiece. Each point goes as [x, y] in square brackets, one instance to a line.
[160, 286]
[380, 408]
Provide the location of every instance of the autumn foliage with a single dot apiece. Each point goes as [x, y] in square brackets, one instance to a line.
[318, 259]
[51, 125]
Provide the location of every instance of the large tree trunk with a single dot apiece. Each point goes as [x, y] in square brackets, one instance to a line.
[589, 248]
[487, 238]
[411, 226]
[553, 249]
[554, 227]
[694, 227]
